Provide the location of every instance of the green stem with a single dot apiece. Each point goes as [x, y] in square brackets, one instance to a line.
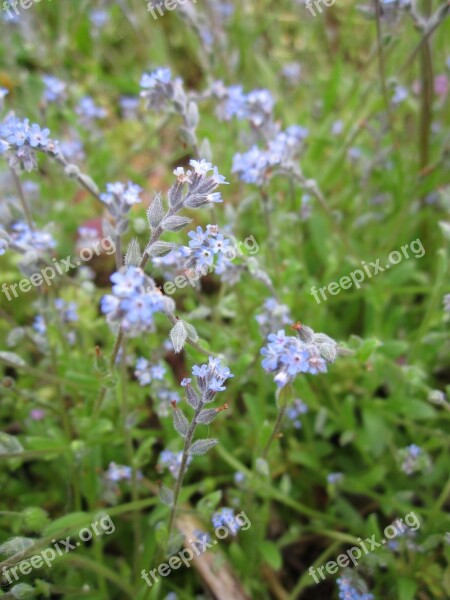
[130, 459]
[283, 397]
[306, 580]
[182, 471]
[103, 571]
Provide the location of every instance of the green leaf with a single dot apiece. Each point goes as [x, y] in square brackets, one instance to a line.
[202, 446]
[271, 554]
[209, 502]
[70, 524]
[9, 444]
[406, 588]
[367, 348]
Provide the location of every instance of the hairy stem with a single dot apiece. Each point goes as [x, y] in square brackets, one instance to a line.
[182, 471]
[284, 396]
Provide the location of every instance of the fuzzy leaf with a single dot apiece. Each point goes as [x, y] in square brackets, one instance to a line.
[175, 195]
[205, 150]
[207, 416]
[202, 446]
[9, 444]
[180, 422]
[133, 255]
[191, 332]
[165, 495]
[178, 336]
[192, 115]
[175, 223]
[192, 397]
[16, 545]
[155, 212]
[13, 359]
[328, 352]
[159, 248]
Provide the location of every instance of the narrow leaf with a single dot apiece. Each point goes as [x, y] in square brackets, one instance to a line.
[202, 446]
[159, 248]
[155, 212]
[9, 444]
[180, 422]
[175, 223]
[133, 255]
[191, 332]
[192, 397]
[13, 359]
[178, 336]
[207, 416]
[165, 495]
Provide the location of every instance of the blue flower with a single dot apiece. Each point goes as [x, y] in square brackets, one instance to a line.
[39, 325]
[161, 75]
[270, 362]
[215, 385]
[219, 244]
[127, 283]
[109, 304]
[37, 136]
[55, 89]
[172, 461]
[137, 309]
[88, 111]
[218, 179]
[294, 411]
[134, 301]
[146, 373]
[120, 197]
[221, 371]
[348, 589]
[278, 340]
[198, 237]
[24, 236]
[239, 477]
[201, 167]
[204, 247]
[211, 377]
[295, 361]
[413, 459]
[117, 473]
[216, 197]
[225, 518]
[316, 364]
[306, 353]
[334, 478]
[201, 371]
